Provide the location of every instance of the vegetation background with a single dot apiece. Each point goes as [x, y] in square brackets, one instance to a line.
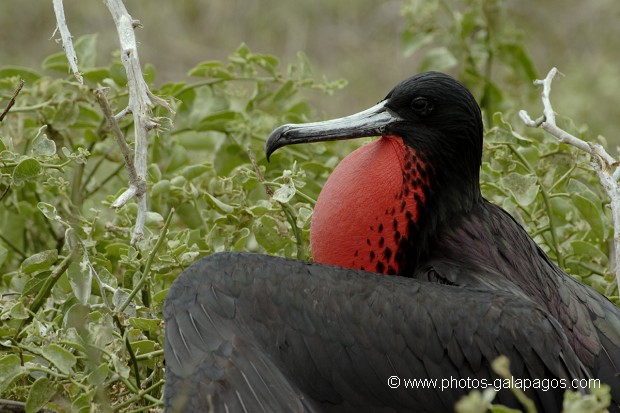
[360, 40]
[80, 308]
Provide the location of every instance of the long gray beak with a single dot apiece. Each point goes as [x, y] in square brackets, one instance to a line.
[370, 122]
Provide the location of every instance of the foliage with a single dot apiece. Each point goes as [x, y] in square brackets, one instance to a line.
[81, 308]
[474, 39]
[552, 191]
[549, 188]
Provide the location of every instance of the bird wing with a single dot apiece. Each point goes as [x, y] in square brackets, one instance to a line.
[488, 249]
[247, 332]
[605, 318]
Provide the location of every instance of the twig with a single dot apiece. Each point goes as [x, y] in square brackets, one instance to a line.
[605, 166]
[11, 406]
[9, 105]
[140, 104]
[118, 134]
[259, 174]
[132, 354]
[138, 395]
[67, 39]
[147, 267]
[134, 181]
[46, 289]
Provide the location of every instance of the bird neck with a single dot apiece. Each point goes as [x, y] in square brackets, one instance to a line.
[379, 209]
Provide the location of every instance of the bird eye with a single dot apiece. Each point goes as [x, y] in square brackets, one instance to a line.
[422, 105]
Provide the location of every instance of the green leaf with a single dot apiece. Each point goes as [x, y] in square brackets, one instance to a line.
[34, 284]
[154, 219]
[3, 255]
[42, 146]
[242, 239]
[160, 296]
[592, 252]
[146, 324]
[285, 192]
[120, 367]
[86, 51]
[211, 68]
[439, 58]
[475, 401]
[160, 188]
[98, 376]
[499, 408]
[269, 235]
[241, 54]
[284, 93]
[40, 261]
[591, 213]
[24, 73]
[193, 171]
[18, 311]
[491, 97]
[10, 369]
[203, 141]
[149, 73]
[415, 40]
[266, 61]
[81, 280]
[57, 61]
[74, 318]
[118, 73]
[303, 217]
[40, 393]
[219, 205]
[597, 401]
[26, 170]
[519, 60]
[49, 211]
[523, 188]
[96, 75]
[60, 357]
[116, 249]
[154, 172]
[146, 346]
[82, 404]
[177, 158]
[575, 186]
[218, 121]
[119, 297]
[228, 158]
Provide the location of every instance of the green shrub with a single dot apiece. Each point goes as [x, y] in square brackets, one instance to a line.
[81, 307]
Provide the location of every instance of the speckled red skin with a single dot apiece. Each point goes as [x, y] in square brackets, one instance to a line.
[361, 216]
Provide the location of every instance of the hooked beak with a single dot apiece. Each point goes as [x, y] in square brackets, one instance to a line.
[370, 122]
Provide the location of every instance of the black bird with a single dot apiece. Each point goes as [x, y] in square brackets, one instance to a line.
[254, 333]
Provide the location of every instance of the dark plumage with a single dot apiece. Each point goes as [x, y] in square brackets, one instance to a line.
[279, 335]
[261, 333]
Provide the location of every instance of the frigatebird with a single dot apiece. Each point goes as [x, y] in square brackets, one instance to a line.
[249, 332]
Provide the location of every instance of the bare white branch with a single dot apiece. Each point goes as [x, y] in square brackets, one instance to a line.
[67, 40]
[140, 104]
[125, 197]
[605, 165]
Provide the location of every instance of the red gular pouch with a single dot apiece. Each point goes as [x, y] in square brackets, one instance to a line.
[360, 215]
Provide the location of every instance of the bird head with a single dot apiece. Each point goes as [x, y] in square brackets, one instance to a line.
[432, 112]
[421, 174]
